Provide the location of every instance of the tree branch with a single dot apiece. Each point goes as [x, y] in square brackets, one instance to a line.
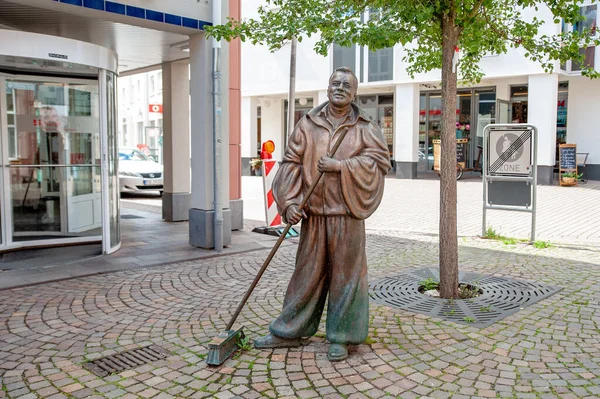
[473, 12]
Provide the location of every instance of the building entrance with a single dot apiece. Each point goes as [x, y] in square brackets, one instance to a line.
[58, 145]
[53, 159]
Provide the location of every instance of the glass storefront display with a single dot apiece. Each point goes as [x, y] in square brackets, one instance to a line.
[475, 110]
[53, 132]
[381, 109]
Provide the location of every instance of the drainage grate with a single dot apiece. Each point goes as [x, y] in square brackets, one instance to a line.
[501, 297]
[125, 360]
[131, 217]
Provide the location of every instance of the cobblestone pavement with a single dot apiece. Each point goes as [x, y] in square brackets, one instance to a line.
[548, 350]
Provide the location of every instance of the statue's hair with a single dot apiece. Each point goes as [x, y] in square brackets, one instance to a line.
[345, 70]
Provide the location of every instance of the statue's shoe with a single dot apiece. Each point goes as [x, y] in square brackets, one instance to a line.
[337, 352]
[271, 341]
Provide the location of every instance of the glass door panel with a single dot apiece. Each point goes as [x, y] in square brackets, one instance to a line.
[54, 161]
[504, 111]
[111, 199]
[434, 125]
[422, 163]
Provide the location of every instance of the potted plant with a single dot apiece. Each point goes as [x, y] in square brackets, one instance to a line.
[571, 177]
[255, 165]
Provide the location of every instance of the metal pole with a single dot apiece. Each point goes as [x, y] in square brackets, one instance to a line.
[486, 132]
[534, 188]
[292, 93]
[217, 140]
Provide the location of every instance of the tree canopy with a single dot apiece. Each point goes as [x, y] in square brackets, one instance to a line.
[482, 26]
[549, 32]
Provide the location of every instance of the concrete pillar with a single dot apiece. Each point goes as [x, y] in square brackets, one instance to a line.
[235, 124]
[176, 141]
[541, 109]
[406, 130]
[271, 124]
[202, 194]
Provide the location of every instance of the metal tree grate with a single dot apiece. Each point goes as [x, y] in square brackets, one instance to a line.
[125, 360]
[501, 296]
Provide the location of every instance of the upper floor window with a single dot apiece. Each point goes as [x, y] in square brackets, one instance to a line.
[589, 23]
[344, 56]
[381, 64]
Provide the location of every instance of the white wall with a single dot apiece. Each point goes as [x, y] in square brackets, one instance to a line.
[583, 117]
[272, 124]
[541, 112]
[249, 126]
[406, 123]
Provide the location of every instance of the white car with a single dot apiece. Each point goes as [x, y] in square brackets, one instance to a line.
[138, 172]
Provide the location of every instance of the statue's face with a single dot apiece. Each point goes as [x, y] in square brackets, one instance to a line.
[342, 89]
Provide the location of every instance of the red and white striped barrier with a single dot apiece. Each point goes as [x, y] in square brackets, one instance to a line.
[269, 169]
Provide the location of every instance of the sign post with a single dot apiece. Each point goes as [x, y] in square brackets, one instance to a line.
[510, 170]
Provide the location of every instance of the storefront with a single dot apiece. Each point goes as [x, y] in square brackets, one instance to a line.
[475, 109]
[58, 142]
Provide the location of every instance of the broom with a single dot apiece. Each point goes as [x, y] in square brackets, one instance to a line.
[224, 344]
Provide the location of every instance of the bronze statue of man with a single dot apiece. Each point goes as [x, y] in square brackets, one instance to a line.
[331, 255]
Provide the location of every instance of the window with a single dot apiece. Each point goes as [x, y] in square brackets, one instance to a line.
[344, 56]
[152, 84]
[124, 132]
[381, 64]
[589, 53]
[381, 109]
[140, 132]
[589, 23]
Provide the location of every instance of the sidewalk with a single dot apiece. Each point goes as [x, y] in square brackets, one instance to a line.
[547, 350]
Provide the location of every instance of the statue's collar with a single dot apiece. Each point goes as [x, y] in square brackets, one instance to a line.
[318, 115]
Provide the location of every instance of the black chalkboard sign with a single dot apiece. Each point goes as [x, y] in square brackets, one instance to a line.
[567, 164]
[567, 157]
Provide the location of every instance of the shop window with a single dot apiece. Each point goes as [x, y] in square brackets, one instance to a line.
[381, 110]
[561, 113]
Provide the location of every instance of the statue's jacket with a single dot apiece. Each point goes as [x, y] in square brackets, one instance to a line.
[358, 189]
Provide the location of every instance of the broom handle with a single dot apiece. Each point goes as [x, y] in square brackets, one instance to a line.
[282, 236]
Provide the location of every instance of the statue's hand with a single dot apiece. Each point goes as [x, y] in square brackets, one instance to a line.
[293, 214]
[329, 165]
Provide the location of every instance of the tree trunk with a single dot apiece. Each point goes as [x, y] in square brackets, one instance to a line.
[448, 235]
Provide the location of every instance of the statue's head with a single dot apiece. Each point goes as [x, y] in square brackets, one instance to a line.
[342, 87]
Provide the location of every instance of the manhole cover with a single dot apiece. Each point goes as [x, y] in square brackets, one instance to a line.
[125, 360]
[500, 296]
[131, 217]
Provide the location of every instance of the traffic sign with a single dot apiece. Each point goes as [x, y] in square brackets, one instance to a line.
[510, 152]
[155, 108]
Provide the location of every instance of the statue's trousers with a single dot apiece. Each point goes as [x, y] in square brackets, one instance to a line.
[331, 259]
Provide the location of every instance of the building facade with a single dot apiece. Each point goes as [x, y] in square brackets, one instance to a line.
[408, 110]
[60, 126]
